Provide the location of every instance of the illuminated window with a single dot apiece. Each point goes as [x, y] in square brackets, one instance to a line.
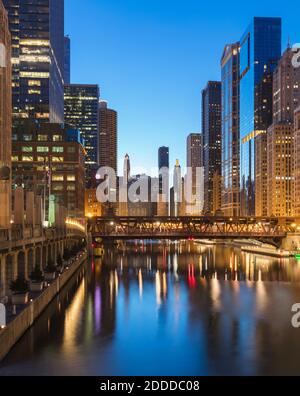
[58, 187]
[57, 159]
[15, 158]
[71, 178]
[27, 149]
[57, 149]
[57, 178]
[57, 138]
[27, 158]
[71, 187]
[42, 138]
[42, 149]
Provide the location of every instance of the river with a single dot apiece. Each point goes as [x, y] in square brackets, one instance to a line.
[169, 308]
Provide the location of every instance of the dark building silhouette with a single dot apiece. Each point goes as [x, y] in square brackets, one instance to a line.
[211, 130]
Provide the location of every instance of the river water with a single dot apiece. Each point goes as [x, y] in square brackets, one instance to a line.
[169, 308]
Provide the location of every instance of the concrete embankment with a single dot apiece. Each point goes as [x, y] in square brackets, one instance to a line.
[16, 328]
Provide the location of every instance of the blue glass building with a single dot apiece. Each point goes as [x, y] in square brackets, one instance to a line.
[260, 50]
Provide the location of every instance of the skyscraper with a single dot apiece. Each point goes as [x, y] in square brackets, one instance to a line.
[211, 130]
[163, 157]
[230, 191]
[108, 136]
[67, 60]
[260, 49]
[37, 28]
[5, 119]
[164, 177]
[81, 112]
[280, 137]
[195, 166]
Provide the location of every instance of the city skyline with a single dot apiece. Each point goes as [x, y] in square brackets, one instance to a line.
[123, 78]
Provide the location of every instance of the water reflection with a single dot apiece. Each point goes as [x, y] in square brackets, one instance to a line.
[169, 309]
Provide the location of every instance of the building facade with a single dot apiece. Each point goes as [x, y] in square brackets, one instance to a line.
[194, 162]
[67, 60]
[286, 96]
[280, 183]
[212, 131]
[82, 112]
[230, 192]
[49, 160]
[260, 50]
[5, 119]
[108, 137]
[37, 29]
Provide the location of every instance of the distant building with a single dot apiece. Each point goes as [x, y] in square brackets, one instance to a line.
[195, 164]
[67, 60]
[211, 129]
[108, 136]
[92, 207]
[230, 182]
[81, 112]
[38, 58]
[260, 49]
[164, 174]
[49, 160]
[5, 120]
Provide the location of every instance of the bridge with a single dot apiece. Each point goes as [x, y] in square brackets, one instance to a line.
[272, 230]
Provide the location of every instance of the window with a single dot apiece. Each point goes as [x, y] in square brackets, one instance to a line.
[71, 178]
[42, 149]
[15, 158]
[57, 159]
[57, 138]
[71, 149]
[42, 138]
[57, 149]
[58, 187]
[71, 187]
[27, 149]
[58, 178]
[42, 159]
[27, 138]
[27, 158]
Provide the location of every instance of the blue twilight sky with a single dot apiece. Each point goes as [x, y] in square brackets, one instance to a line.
[152, 58]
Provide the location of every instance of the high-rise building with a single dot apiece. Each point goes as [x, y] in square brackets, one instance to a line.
[280, 162]
[164, 180]
[108, 136]
[82, 112]
[297, 162]
[280, 137]
[163, 157]
[48, 159]
[195, 166]
[5, 120]
[260, 50]
[286, 88]
[212, 131]
[230, 191]
[37, 29]
[67, 60]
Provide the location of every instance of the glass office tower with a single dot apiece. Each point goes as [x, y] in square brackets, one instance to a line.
[259, 53]
[230, 193]
[81, 112]
[37, 30]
